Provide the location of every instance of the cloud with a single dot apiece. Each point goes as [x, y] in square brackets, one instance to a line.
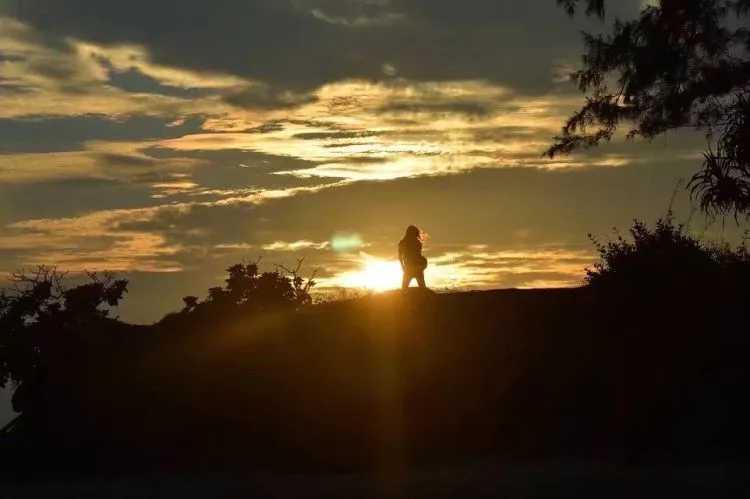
[474, 109]
[162, 238]
[91, 242]
[133, 80]
[65, 76]
[54, 133]
[358, 130]
[262, 96]
[360, 21]
[351, 129]
[295, 246]
[300, 45]
[361, 134]
[214, 209]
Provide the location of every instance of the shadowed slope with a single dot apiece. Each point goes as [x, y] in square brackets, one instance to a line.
[393, 379]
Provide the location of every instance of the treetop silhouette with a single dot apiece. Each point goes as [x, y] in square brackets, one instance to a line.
[249, 290]
[40, 308]
[683, 63]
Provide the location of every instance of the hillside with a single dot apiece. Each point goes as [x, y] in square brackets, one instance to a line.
[395, 379]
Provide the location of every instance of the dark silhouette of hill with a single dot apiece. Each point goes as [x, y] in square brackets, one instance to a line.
[394, 379]
[648, 363]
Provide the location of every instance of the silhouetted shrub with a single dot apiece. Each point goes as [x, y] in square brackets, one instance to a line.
[39, 307]
[247, 291]
[666, 256]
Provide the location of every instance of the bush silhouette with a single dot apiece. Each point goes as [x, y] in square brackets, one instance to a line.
[40, 308]
[248, 292]
[665, 257]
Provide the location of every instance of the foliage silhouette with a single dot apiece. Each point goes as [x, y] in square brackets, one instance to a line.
[249, 291]
[40, 306]
[682, 63]
[667, 258]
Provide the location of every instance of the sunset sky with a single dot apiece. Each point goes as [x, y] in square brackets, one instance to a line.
[166, 140]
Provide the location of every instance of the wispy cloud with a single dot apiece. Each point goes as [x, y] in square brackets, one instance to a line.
[91, 241]
[360, 21]
[295, 246]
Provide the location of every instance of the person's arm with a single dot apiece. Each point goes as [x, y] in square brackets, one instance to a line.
[401, 256]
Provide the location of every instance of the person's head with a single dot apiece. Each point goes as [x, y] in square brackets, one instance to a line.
[413, 232]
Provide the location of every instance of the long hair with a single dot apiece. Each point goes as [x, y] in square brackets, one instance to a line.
[413, 233]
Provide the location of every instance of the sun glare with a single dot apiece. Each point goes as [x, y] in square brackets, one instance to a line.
[375, 274]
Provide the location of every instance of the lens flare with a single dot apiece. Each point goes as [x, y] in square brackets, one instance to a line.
[343, 243]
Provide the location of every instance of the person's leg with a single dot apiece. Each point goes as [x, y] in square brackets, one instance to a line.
[405, 280]
[420, 280]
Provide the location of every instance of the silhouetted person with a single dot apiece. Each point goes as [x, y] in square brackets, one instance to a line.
[410, 256]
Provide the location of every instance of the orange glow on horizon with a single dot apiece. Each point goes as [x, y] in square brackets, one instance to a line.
[375, 274]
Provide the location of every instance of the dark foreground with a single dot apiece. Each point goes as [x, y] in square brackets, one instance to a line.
[472, 480]
[330, 398]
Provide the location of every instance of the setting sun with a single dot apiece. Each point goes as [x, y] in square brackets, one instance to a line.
[375, 274]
